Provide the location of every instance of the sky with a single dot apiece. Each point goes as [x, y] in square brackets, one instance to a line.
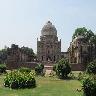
[21, 21]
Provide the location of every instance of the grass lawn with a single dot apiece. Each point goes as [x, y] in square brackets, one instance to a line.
[46, 86]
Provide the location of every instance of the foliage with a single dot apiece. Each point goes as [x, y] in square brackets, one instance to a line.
[89, 86]
[39, 69]
[24, 70]
[82, 75]
[62, 68]
[29, 52]
[54, 67]
[88, 34]
[24, 50]
[91, 68]
[71, 75]
[17, 79]
[3, 55]
[2, 68]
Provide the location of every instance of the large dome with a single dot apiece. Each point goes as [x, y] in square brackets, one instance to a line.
[48, 29]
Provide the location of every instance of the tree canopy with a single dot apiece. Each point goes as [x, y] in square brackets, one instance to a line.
[91, 68]
[3, 55]
[28, 51]
[88, 34]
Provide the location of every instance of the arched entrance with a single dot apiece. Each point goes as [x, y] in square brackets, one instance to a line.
[49, 58]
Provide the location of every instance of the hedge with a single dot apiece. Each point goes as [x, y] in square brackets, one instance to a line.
[17, 79]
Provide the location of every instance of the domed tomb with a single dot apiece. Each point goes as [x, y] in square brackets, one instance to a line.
[49, 47]
[48, 29]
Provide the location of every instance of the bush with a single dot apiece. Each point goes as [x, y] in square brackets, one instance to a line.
[39, 69]
[71, 75]
[2, 68]
[17, 79]
[54, 67]
[80, 76]
[62, 68]
[24, 69]
[89, 86]
[91, 68]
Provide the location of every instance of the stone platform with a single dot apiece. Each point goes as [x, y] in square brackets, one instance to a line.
[48, 67]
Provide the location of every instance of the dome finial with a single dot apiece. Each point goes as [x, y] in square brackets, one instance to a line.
[48, 22]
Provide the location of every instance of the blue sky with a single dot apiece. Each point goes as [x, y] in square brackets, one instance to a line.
[21, 21]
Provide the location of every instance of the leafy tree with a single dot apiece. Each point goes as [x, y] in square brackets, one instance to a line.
[62, 68]
[93, 39]
[88, 34]
[91, 68]
[3, 56]
[29, 52]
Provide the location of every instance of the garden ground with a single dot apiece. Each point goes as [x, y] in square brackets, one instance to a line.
[46, 86]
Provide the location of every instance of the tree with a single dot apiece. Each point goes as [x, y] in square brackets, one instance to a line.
[88, 34]
[93, 39]
[3, 55]
[91, 68]
[29, 52]
[62, 68]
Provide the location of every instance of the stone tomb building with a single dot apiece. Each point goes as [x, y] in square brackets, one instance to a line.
[17, 58]
[48, 48]
[80, 53]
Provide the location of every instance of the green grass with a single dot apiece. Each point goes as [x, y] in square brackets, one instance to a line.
[46, 86]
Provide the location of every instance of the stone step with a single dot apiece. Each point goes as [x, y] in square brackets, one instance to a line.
[48, 67]
[49, 64]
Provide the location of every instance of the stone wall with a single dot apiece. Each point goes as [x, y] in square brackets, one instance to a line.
[15, 65]
[77, 67]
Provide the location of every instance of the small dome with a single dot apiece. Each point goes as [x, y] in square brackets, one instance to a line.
[49, 29]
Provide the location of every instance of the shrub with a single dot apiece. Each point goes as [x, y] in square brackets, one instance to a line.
[71, 75]
[89, 86]
[91, 68]
[2, 68]
[62, 68]
[39, 69]
[80, 76]
[24, 69]
[54, 67]
[17, 79]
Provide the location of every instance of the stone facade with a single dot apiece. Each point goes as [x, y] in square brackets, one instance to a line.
[64, 55]
[48, 48]
[81, 52]
[17, 58]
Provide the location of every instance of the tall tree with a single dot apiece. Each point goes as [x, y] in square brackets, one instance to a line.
[29, 52]
[88, 34]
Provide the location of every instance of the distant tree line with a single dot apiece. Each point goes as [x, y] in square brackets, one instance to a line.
[26, 50]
